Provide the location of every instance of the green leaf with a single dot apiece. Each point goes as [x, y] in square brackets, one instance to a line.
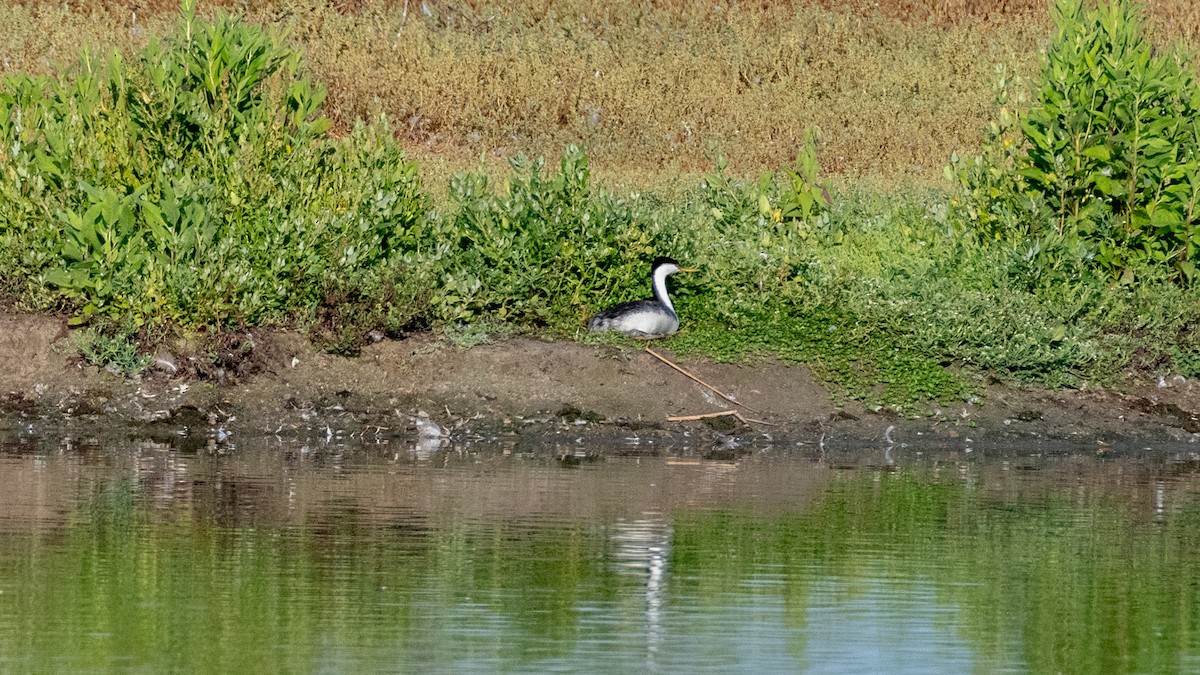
[89, 311]
[1036, 174]
[59, 277]
[1166, 219]
[1187, 269]
[1108, 186]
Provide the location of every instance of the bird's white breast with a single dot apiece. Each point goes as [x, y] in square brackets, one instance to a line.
[647, 323]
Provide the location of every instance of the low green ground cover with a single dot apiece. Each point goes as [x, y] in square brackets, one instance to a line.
[196, 189]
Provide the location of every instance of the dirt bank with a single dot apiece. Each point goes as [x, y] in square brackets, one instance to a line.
[525, 390]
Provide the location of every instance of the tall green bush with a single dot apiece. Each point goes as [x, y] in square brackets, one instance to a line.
[761, 241]
[1104, 165]
[547, 248]
[196, 184]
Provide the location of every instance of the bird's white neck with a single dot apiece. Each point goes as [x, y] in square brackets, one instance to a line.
[660, 287]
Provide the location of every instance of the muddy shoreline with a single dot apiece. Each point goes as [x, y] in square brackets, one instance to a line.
[424, 392]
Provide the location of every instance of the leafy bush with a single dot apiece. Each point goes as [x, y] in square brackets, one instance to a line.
[761, 241]
[1104, 166]
[196, 185]
[548, 248]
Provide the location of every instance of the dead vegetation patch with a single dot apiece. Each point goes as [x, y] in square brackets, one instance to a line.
[896, 86]
[222, 356]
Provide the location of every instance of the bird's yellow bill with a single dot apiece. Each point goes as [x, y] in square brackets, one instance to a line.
[689, 269]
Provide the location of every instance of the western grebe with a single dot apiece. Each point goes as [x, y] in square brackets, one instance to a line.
[644, 318]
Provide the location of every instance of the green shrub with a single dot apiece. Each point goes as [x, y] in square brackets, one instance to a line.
[759, 238]
[114, 352]
[1104, 166]
[548, 249]
[196, 185]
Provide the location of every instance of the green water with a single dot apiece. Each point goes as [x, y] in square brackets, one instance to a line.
[275, 557]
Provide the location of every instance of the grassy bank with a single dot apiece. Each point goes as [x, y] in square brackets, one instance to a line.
[206, 183]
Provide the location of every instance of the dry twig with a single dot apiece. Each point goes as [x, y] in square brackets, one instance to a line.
[718, 392]
[723, 413]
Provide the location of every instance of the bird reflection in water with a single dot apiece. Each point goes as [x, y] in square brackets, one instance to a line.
[642, 550]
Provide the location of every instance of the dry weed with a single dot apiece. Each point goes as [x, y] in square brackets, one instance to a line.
[649, 88]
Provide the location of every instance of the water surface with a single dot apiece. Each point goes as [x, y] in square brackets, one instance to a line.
[278, 556]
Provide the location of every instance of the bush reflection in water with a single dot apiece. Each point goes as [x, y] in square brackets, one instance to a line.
[357, 557]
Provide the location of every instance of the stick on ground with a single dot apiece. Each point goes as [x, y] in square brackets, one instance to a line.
[718, 392]
[723, 413]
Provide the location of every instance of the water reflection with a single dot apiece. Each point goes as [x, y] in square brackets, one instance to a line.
[341, 555]
[642, 550]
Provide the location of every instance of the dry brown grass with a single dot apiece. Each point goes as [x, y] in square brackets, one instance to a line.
[651, 89]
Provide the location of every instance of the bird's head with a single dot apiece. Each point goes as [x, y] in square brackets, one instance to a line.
[668, 266]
